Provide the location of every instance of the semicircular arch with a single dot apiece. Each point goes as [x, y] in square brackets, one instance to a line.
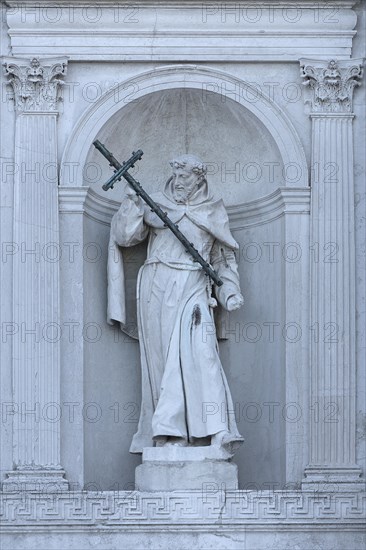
[182, 76]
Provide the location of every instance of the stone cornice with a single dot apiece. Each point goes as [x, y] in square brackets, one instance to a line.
[36, 84]
[179, 3]
[209, 31]
[332, 83]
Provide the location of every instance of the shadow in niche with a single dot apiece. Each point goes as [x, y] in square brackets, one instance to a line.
[243, 159]
[244, 164]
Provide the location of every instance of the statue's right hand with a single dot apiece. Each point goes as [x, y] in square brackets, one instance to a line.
[131, 194]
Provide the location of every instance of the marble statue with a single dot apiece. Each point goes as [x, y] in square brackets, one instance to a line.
[183, 380]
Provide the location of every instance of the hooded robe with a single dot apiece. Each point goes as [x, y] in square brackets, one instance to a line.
[184, 387]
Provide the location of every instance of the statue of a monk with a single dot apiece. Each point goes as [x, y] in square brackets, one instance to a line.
[183, 380]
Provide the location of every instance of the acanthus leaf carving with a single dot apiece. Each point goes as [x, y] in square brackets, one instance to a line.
[332, 83]
[36, 83]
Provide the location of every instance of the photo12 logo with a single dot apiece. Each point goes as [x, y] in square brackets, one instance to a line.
[70, 13]
[273, 13]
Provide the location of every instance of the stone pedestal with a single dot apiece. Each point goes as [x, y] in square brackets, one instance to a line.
[180, 468]
[49, 480]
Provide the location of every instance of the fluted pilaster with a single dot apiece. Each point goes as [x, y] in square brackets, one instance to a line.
[36, 315]
[332, 278]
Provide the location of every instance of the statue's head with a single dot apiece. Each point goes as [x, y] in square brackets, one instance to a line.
[189, 172]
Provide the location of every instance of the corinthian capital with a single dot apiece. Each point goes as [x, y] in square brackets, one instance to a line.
[36, 82]
[332, 83]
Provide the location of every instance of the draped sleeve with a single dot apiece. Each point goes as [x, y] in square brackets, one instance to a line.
[224, 262]
[127, 229]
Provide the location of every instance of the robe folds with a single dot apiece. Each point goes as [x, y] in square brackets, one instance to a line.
[184, 388]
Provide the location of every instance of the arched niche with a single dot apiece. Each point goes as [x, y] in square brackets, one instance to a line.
[167, 111]
[189, 109]
[243, 159]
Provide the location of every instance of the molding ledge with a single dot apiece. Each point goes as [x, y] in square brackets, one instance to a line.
[199, 31]
[285, 200]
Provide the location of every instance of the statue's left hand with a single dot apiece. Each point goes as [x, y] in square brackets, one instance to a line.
[235, 302]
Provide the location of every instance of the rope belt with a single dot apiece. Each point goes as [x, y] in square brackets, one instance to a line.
[181, 264]
[175, 264]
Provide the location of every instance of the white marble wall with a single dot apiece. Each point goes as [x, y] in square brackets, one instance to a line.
[196, 75]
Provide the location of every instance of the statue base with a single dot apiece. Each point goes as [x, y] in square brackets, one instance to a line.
[195, 468]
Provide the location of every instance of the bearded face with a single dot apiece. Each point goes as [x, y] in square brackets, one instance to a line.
[185, 182]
